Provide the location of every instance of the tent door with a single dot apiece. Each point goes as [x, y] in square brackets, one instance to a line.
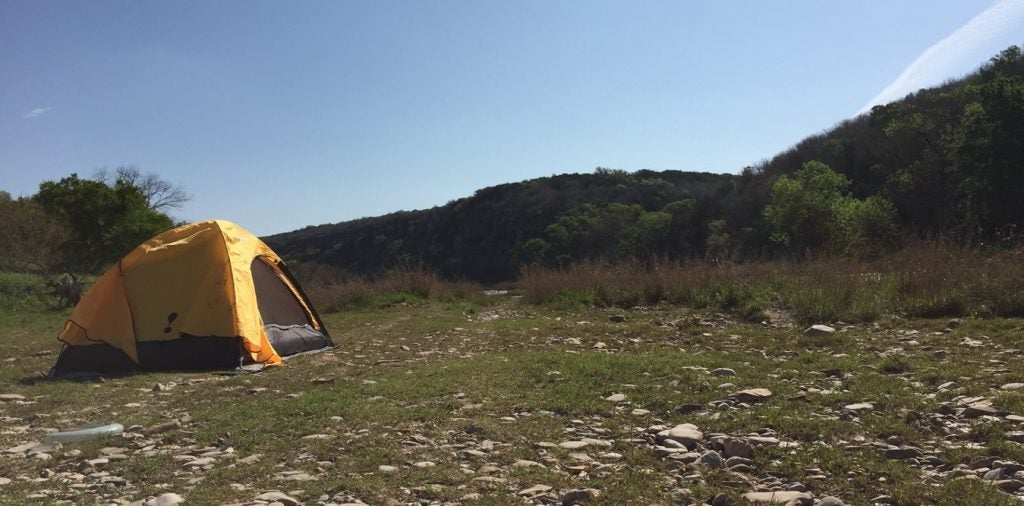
[287, 323]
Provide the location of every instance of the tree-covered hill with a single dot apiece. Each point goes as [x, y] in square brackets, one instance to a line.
[950, 159]
[484, 237]
[943, 162]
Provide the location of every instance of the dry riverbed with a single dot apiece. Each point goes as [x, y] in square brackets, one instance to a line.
[506, 403]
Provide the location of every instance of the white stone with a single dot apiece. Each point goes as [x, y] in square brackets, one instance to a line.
[597, 442]
[526, 463]
[572, 445]
[819, 330]
[277, 496]
[534, 490]
[168, 499]
[860, 407]
[205, 461]
[778, 497]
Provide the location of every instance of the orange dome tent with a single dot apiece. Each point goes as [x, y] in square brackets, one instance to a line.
[208, 295]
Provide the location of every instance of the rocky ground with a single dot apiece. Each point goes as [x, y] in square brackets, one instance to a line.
[503, 403]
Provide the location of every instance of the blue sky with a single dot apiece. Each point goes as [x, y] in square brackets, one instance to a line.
[278, 115]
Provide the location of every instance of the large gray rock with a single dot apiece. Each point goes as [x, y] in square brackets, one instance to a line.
[738, 448]
[712, 459]
[979, 409]
[580, 496]
[721, 499]
[752, 395]
[738, 461]
[1010, 485]
[686, 434]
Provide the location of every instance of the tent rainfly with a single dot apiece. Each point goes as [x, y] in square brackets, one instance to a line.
[208, 295]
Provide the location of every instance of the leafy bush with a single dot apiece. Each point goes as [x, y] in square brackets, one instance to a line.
[812, 210]
[23, 292]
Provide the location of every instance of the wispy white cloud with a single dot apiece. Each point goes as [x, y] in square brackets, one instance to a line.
[37, 112]
[994, 29]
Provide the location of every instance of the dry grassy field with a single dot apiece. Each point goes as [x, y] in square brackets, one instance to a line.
[494, 400]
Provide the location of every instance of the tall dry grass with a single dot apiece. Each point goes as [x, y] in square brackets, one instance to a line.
[334, 290]
[926, 279]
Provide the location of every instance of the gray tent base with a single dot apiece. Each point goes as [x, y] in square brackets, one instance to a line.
[188, 353]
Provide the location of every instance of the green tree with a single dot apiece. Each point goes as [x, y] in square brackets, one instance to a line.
[682, 217]
[159, 193]
[811, 210]
[864, 226]
[720, 244]
[104, 221]
[30, 239]
[802, 210]
[531, 252]
[609, 232]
